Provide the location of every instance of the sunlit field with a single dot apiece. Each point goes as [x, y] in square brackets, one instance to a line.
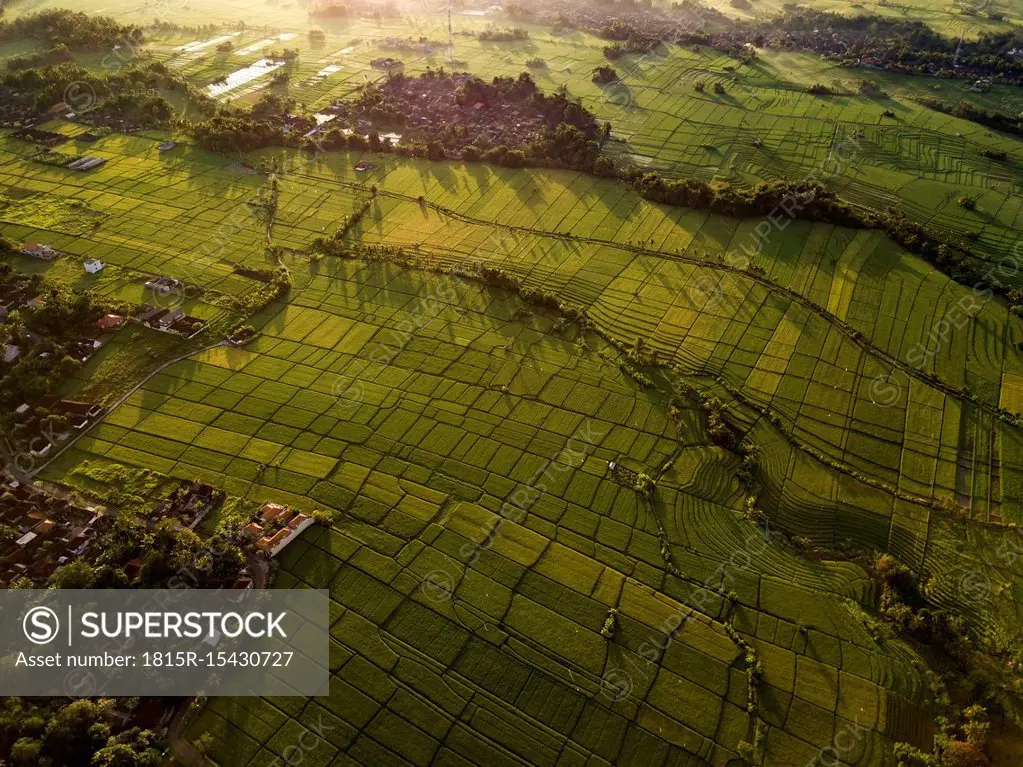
[612, 482]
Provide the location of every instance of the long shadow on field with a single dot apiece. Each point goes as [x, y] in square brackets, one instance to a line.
[481, 174]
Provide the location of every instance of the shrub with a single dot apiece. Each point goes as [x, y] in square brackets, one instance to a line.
[605, 75]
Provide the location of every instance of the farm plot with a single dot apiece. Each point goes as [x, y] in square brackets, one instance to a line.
[467, 438]
[765, 126]
[184, 214]
[835, 315]
[462, 412]
[468, 634]
[274, 418]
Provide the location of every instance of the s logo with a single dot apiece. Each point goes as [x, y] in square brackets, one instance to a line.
[41, 625]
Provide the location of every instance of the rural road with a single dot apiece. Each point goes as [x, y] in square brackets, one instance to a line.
[30, 475]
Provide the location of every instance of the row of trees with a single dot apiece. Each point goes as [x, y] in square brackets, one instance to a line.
[230, 134]
[572, 139]
[960, 740]
[809, 202]
[968, 111]
[131, 94]
[55, 55]
[494, 34]
[76, 31]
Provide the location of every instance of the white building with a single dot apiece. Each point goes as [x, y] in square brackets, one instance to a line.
[94, 266]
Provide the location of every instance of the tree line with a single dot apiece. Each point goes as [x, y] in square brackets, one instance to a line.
[77, 31]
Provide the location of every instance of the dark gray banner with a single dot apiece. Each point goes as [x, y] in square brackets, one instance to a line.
[164, 642]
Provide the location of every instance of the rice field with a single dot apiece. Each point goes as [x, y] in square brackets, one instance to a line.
[808, 338]
[465, 402]
[919, 161]
[642, 270]
[484, 542]
[418, 406]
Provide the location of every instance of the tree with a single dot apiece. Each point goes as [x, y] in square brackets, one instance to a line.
[15, 324]
[74, 575]
[116, 755]
[63, 308]
[745, 751]
[958, 753]
[68, 366]
[908, 756]
[131, 748]
[977, 725]
[76, 731]
[645, 484]
[26, 751]
[204, 743]
[604, 166]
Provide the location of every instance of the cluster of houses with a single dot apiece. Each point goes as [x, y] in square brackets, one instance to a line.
[78, 415]
[40, 251]
[22, 298]
[18, 296]
[48, 253]
[81, 348]
[275, 526]
[190, 503]
[431, 106]
[299, 124]
[95, 118]
[170, 321]
[40, 533]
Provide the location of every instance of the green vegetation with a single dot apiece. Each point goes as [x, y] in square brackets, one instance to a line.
[662, 413]
[74, 31]
[44, 732]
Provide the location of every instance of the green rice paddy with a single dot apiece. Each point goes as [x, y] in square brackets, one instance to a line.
[422, 406]
[448, 427]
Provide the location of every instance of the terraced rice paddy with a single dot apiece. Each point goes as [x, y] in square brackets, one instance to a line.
[465, 436]
[919, 161]
[419, 406]
[450, 423]
[649, 272]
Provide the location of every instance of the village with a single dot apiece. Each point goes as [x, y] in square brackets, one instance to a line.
[454, 114]
[26, 297]
[49, 538]
[43, 528]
